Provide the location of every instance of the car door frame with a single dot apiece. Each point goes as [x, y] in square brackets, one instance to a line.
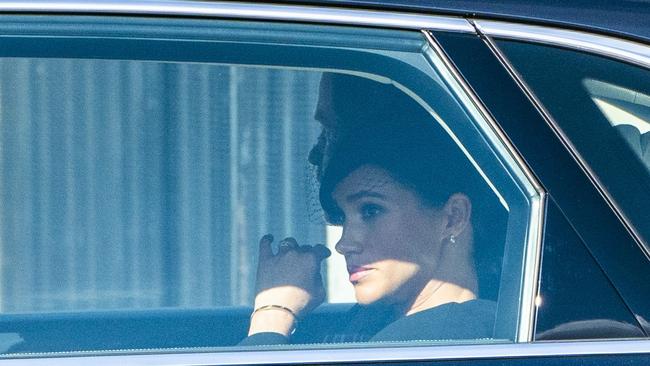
[586, 202]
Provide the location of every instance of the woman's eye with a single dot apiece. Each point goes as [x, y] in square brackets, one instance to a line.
[370, 211]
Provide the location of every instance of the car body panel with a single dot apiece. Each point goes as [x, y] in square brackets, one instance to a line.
[549, 159]
[627, 18]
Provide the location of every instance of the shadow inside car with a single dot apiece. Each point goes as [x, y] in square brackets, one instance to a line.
[146, 329]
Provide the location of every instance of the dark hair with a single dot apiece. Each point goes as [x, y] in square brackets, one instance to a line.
[379, 124]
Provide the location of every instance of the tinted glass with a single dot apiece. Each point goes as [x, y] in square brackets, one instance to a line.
[139, 188]
[127, 182]
[569, 272]
[602, 105]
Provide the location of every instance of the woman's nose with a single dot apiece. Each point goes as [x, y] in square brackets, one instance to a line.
[348, 243]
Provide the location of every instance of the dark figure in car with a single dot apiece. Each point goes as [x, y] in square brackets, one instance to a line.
[401, 190]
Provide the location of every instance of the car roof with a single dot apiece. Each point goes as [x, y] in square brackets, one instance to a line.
[627, 18]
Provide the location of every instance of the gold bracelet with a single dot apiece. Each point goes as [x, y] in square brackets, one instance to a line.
[275, 307]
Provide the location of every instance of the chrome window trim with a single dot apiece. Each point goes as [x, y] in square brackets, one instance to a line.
[605, 46]
[532, 255]
[237, 10]
[629, 51]
[322, 356]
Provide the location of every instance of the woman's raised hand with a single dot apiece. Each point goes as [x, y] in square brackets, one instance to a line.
[289, 284]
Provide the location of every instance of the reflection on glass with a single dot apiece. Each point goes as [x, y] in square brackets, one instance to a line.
[626, 110]
[129, 185]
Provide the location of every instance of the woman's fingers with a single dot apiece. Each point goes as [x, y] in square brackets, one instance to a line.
[287, 244]
[265, 246]
[290, 278]
[321, 251]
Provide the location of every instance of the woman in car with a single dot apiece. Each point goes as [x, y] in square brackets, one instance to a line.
[400, 188]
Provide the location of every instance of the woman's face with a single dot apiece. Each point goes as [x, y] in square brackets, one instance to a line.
[391, 240]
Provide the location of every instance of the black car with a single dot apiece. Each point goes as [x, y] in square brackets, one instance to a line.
[147, 146]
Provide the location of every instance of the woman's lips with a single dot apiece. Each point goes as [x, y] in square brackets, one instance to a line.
[357, 273]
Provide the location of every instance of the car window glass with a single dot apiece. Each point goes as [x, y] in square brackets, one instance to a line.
[569, 272]
[602, 105]
[139, 189]
[628, 111]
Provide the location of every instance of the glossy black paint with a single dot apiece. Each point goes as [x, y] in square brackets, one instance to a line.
[628, 18]
[576, 197]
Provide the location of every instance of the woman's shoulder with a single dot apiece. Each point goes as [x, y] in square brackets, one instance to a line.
[472, 319]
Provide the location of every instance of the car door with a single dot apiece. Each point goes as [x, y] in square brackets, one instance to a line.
[626, 210]
[143, 156]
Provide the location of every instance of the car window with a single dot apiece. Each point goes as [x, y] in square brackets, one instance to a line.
[601, 104]
[147, 192]
[628, 111]
[569, 272]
